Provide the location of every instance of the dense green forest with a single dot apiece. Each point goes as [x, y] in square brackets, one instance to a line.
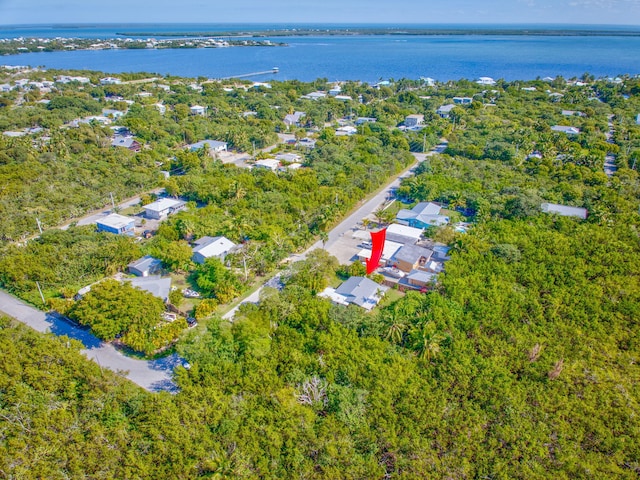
[521, 363]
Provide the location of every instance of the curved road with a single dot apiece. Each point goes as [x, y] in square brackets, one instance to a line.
[152, 375]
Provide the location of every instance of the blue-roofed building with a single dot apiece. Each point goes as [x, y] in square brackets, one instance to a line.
[118, 224]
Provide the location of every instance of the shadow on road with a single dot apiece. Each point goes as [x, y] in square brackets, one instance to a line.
[61, 326]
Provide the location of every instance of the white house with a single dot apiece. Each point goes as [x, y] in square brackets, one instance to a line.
[163, 207]
[267, 164]
[346, 130]
[207, 247]
[566, 129]
[198, 110]
[356, 290]
[293, 119]
[485, 81]
[445, 110]
[317, 95]
[110, 81]
[564, 210]
[214, 146]
[288, 157]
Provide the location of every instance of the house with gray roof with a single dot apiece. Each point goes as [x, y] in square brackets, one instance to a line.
[293, 119]
[423, 215]
[207, 247]
[564, 210]
[155, 284]
[357, 290]
[411, 257]
[163, 207]
[214, 146]
[566, 129]
[126, 142]
[145, 266]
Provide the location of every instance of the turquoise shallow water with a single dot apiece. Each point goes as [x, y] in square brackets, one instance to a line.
[367, 58]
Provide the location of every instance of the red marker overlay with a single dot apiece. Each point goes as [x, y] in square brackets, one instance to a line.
[377, 241]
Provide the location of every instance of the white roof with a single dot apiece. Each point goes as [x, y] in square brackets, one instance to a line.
[163, 204]
[213, 247]
[403, 230]
[389, 250]
[446, 108]
[564, 210]
[267, 163]
[115, 221]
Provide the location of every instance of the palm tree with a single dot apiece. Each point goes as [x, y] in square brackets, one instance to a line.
[428, 343]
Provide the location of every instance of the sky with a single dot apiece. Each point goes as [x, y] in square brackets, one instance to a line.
[600, 12]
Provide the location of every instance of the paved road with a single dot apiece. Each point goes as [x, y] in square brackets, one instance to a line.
[155, 375]
[347, 225]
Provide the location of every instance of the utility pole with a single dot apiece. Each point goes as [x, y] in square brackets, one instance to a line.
[41, 295]
[113, 203]
[39, 224]
[424, 142]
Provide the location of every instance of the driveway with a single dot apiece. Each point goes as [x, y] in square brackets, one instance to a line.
[152, 375]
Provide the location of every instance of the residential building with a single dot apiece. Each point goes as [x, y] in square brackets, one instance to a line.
[267, 164]
[388, 251]
[343, 98]
[198, 110]
[314, 95]
[163, 207]
[293, 119]
[111, 113]
[420, 279]
[411, 257]
[126, 142]
[566, 129]
[413, 120]
[118, 224]
[346, 130]
[214, 146]
[145, 266]
[403, 234]
[363, 120]
[485, 81]
[428, 81]
[110, 81]
[571, 113]
[335, 90]
[358, 291]
[445, 110]
[288, 157]
[462, 100]
[154, 284]
[423, 215]
[207, 247]
[564, 210]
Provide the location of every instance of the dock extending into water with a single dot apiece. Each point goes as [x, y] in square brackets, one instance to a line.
[253, 74]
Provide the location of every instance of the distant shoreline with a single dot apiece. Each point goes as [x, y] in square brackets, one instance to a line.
[320, 32]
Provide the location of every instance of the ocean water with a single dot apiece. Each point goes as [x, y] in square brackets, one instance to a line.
[367, 58]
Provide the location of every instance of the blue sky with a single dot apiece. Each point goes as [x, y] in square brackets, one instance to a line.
[620, 12]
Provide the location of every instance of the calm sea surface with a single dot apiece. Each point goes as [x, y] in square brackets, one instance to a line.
[367, 58]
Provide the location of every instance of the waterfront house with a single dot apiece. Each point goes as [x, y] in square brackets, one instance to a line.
[145, 266]
[115, 223]
[163, 207]
[207, 247]
[485, 81]
[564, 210]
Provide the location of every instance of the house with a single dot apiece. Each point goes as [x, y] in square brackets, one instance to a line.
[343, 98]
[485, 81]
[288, 157]
[307, 143]
[335, 90]
[363, 120]
[214, 146]
[346, 130]
[361, 291]
[314, 95]
[411, 257]
[529, 89]
[161, 108]
[413, 120]
[445, 110]
[118, 224]
[566, 129]
[428, 81]
[423, 215]
[571, 113]
[403, 234]
[420, 279]
[462, 100]
[163, 207]
[126, 142]
[145, 266]
[267, 164]
[110, 81]
[154, 284]
[564, 210]
[198, 110]
[293, 119]
[111, 113]
[388, 251]
[207, 247]
[291, 166]
[5, 87]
